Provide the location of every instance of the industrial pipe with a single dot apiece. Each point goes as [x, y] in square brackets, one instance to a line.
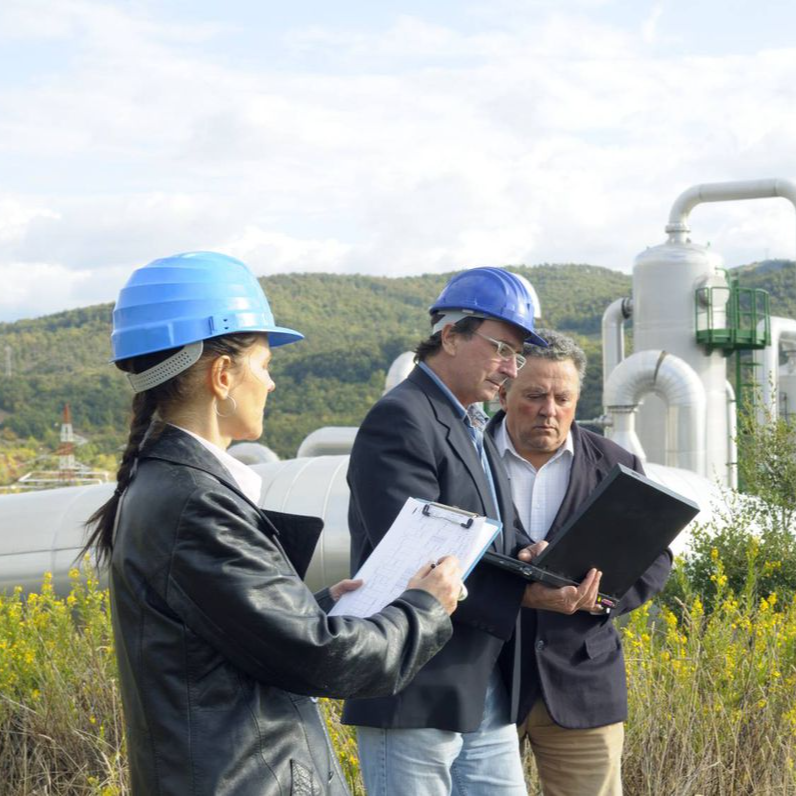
[613, 335]
[732, 437]
[676, 382]
[328, 441]
[401, 367]
[781, 329]
[723, 192]
[252, 453]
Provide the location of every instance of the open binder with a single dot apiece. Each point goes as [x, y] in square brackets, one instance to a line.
[423, 532]
[623, 526]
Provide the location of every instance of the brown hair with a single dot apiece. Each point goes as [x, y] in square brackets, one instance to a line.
[432, 345]
[146, 424]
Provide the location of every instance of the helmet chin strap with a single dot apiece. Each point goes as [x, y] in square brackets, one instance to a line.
[167, 369]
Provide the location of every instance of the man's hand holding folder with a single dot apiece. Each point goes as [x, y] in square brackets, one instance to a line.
[561, 599]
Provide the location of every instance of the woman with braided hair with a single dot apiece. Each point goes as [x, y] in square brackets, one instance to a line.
[222, 649]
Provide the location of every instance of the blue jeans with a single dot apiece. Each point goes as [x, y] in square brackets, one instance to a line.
[428, 762]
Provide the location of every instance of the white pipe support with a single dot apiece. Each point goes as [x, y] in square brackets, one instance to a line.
[613, 335]
[732, 436]
[723, 192]
[622, 430]
[676, 382]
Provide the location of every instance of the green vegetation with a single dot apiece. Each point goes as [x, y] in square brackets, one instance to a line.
[355, 326]
[711, 663]
[711, 697]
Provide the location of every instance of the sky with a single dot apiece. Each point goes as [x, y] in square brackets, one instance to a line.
[388, 138]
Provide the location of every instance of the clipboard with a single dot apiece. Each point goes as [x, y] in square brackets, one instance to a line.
[622, 527]
[422, 532]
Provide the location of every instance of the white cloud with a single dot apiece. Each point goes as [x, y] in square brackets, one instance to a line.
[31, 289]
[549, 133]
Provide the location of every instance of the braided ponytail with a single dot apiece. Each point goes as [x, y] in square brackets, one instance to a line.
[103, 519]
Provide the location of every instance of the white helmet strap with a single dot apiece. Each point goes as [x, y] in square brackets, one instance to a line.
[454, 316]
[166, 369]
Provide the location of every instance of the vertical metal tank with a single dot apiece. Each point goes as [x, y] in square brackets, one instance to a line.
[665, 281]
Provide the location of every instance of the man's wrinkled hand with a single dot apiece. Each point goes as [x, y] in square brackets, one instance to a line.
[565, 599]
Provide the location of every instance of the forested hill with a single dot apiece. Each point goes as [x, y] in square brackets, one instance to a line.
[354, 325]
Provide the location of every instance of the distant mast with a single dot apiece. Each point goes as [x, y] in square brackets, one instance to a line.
[66, 453]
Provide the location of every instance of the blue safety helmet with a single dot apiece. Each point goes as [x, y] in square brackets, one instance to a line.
[187, 298]
[490, 293]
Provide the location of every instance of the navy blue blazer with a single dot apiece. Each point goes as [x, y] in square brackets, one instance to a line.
[575, 663]
[413, 444]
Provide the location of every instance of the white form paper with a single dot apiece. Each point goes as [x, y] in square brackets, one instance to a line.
[417, 537]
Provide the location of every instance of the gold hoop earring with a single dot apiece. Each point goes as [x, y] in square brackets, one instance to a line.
[234, 407]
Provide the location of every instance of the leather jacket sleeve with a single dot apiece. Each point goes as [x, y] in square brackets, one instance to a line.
[232, 585]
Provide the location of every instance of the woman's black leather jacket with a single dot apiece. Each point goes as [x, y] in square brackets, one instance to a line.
[221, 647]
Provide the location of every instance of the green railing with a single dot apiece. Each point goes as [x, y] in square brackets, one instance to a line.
[732, 318]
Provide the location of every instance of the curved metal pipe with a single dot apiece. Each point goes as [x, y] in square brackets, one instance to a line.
[328, 441]
[400, 368]
[676, 382]
[723, 192]
[613, 335]
[252, 453]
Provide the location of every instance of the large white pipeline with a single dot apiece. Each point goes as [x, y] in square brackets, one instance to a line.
[675, 381]
[613, 334]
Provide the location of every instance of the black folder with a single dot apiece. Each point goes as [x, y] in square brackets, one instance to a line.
[623, 526]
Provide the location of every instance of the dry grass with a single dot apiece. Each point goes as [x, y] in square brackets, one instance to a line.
[712, 699]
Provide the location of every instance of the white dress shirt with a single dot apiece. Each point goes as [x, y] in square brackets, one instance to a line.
[249, 482]
[537, 494]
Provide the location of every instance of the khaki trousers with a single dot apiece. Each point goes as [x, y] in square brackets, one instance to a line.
[574, 762]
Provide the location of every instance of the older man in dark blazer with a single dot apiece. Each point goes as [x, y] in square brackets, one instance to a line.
[574, 696]
[451, 731]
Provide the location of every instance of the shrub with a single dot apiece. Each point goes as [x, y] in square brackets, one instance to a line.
[61, 729]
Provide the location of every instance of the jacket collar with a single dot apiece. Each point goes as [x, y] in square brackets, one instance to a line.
[459, 438]
[173, 445]
[299, 535]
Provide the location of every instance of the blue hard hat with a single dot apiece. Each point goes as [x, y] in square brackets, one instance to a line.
[189, 297]
[491, 293]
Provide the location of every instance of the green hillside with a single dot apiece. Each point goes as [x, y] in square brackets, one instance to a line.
[355, 326]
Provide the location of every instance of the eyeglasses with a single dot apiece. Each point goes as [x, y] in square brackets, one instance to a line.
[505, 351]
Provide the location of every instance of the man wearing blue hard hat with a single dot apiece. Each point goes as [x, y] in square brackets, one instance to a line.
[451, 731]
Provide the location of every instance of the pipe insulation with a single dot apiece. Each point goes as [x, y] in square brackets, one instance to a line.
[676, 382]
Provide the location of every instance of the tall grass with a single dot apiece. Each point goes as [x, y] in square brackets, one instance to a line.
[61, 729]
[712, 697]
